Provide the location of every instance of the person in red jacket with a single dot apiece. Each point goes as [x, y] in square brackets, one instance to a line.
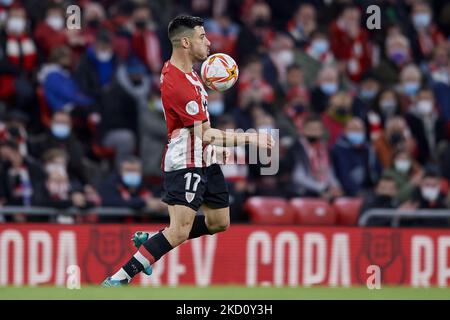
[145, 41]
[19, 47]
[350, 43]
[18, 60]
[51, 33]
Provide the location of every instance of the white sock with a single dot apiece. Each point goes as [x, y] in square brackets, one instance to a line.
[139, 257]
[121, 275]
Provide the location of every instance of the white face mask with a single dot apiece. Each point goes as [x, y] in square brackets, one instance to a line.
[104, 56]
[56, 22]
[16, 25]
[285, 57]
[3, 17]
[158, 105]
[402, 166]
[424, 107]
[216, 107]
[55, 167]
[430, 193]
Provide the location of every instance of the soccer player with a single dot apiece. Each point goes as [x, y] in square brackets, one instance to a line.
[192, 177]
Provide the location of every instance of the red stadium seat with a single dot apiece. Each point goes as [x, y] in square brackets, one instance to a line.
[312, 211]
[44, 109]
[269, 210]
[347, 210]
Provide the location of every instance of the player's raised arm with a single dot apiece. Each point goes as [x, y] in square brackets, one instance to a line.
[231, 139]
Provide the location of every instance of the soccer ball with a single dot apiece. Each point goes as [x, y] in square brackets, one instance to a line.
[219, 72]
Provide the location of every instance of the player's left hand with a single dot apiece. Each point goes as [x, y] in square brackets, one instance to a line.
[222, 155]
[265, 140]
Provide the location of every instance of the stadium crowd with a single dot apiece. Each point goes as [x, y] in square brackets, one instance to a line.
[361, 113]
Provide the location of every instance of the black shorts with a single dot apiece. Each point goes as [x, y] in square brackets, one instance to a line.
[193, 187]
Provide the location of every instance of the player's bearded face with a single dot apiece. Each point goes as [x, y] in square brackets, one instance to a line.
[199, 44]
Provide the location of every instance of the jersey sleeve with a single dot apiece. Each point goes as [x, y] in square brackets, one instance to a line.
[188, 106]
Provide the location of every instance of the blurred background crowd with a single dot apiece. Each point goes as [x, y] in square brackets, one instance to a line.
[361, 113]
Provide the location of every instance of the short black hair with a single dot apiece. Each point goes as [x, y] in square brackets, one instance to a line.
[181, 23]
[432, 171]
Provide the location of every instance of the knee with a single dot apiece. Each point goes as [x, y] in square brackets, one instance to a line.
[219, 226]
[179, 235]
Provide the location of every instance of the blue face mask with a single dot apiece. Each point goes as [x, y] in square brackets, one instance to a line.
[216, 108]
[368, 94]
[60, 130]
[6, 3]
[421, 20]
[320, 46]
[328, 88]
[410, 88]
[399, 56]
[356, 138]
[132, 179]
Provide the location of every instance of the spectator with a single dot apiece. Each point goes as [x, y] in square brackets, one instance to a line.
[16, 125]
[427, 196]
[58, 190]
[60, 89]
[97, 66]
[294, 102]
[20, 178]
[395, 137]
[303, 24]
[386, 106]
[126, 189]
[426, 126]
[260, 184]
[16, 63]
[308, 164]
[216, 105]
[410, 82]
[94, 19]
[252, 90]
[18, 45]
[327, 85]
[407, 174]
[383, 197]
[444, 159]
[397, 55]
[222, 33]
[276, 62]
[145, 41]
[153, 137]
[424, 34]
[60, 136]
[350, 43]
[369, 88]
[337, 116]
[235, 171]
[256, 35]
[354, 160]
[119, 107]
[439, 72]
[51, 32]
[316, 54]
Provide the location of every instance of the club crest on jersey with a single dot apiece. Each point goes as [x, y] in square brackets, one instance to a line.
[189, 196]
[192, 108]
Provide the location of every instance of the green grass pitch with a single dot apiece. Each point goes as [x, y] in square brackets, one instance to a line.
[223, 293]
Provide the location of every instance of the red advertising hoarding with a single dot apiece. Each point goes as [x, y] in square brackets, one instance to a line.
[33, 254]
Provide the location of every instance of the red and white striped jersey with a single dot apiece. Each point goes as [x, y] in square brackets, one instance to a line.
[185, 103]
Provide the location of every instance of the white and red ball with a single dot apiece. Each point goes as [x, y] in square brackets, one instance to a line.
[219, 72]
